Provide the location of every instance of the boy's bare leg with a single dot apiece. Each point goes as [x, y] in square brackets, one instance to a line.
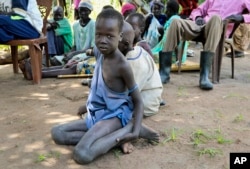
[105, 135]
[56, 72]
[99, 139]
[52, 68]
[69, 133]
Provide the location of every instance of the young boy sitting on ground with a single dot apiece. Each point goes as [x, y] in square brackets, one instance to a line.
[113, 100]
[59, 33]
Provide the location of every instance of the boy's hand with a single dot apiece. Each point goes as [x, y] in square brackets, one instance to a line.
[127, 137]
[199, 21]
[82, 110]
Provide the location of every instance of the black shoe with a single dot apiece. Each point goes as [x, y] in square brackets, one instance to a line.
[237, 54]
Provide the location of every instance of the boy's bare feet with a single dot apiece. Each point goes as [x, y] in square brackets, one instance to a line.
[150, 134]
[127, 148]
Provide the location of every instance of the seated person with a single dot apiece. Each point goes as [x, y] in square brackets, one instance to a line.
[20, 20]
[59, 33]
[172, 9]
[145, 71]
[154, 23]
[74, 61]
[206, 20]
[113, 101]
[137, 21]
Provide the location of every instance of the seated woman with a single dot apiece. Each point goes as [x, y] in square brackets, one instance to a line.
[154, 23]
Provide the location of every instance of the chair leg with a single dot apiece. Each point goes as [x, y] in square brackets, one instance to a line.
[36, 63]
[14, 55]
[232, 59]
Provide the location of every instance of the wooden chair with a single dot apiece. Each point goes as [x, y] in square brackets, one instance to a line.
[35, 45]
[216, 66]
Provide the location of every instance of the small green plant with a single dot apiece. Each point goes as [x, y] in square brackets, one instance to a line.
[238, 118]
[181, 91]
[172, 137]
[222, 140]
[199, 137]
[117, 153]
[41, 158]
[209, 151]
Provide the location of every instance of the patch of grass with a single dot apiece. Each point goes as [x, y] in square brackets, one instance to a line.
[172, 137]
[233, 95]
[209, 151]
[238, 118]
[41, 158]
[199, 137]
[181, 91]
[117, 153]
[52, 154]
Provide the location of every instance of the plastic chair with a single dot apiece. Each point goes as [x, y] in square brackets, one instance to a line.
[35, 45]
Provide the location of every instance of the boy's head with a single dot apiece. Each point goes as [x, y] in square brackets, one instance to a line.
[126, 44]
[108, 30]
[137, 21]
[84, 9]
[107, 7]
[172, 8]
[58, 13]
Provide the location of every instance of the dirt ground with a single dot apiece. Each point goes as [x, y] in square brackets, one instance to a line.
[198, 128]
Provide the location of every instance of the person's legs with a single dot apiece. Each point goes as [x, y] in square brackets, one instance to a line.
[213, 31]
[97, 141]
[69, 133]
[51, 43]
[56, 72]
[103, 136]
[16, 29]
[179, 30]
[59, 45]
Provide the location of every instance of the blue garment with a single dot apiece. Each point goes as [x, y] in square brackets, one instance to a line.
[22, 4]
[103, 103]
[16, 29]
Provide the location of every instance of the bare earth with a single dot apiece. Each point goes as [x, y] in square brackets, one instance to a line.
[198, 128]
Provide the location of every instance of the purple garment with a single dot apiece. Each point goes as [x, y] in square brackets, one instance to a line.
[223, 8]
[103, 103]
[76, 3]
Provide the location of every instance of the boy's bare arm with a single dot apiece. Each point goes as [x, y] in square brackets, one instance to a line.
[128, 77]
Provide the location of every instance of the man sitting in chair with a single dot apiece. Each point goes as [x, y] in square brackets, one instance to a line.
[206, 21]
[19, 19]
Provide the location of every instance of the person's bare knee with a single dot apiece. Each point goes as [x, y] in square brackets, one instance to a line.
[82, 155]
[58, 135]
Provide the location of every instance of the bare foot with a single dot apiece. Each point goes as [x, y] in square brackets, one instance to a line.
[150, 134]
[27, 70]
[22, 68]
[127, 148]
